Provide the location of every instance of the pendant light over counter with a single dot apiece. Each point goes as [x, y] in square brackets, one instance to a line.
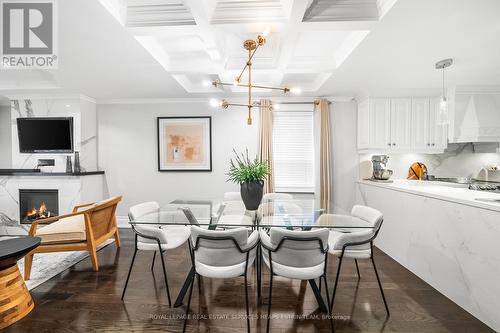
[443, 116]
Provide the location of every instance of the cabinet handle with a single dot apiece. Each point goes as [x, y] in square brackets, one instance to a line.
[433, 145]
[393, 144]
[428, 144]
[389, 144]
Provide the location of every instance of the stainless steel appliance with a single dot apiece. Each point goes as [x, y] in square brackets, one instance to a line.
[485, 186]
[380, 171]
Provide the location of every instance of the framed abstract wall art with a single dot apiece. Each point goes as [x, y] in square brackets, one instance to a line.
[184, 143]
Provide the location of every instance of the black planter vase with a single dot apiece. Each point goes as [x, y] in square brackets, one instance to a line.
[252, 193]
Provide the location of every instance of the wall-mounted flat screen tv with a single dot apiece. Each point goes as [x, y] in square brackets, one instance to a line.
[45, 135]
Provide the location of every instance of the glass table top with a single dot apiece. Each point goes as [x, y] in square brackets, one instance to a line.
[292, 214]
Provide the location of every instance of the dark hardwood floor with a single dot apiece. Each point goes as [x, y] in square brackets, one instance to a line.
[80, 300]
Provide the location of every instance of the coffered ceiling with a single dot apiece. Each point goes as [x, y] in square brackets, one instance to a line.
[312, 44]
[200, 41]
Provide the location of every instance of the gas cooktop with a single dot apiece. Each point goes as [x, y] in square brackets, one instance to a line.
[485, 186]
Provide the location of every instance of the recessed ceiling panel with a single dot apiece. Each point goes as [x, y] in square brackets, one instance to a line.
[245, 11]
[144, 13]
[341, 10]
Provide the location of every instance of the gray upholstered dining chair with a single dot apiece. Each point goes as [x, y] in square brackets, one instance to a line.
[222, 254]
[299, 255]
[355, 243]
[156, 237]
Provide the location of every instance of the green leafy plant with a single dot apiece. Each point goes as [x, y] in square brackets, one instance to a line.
[244, 170]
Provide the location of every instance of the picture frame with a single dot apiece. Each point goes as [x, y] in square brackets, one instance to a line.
[184, 143]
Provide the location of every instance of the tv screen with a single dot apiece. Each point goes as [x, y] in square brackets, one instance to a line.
[45, 135]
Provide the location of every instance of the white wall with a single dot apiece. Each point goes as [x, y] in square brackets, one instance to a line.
[127, 150]
[88, 140]
[5, 136]
[345, 156]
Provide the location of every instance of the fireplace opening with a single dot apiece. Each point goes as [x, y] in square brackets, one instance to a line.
[37, 204]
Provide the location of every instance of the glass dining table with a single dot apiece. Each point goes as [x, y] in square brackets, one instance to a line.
[293, 214]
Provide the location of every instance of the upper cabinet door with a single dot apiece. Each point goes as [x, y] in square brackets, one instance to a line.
[420, 124]
[364, 125]
[438, 133]
[380, 123]
[401, 123]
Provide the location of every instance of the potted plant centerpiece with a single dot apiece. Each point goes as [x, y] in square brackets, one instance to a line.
[250, 174]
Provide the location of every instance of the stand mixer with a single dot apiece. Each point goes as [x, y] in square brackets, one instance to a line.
[380, 172]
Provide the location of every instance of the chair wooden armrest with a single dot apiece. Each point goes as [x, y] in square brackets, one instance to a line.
[99, 223]
[35, 224]
[77, 207]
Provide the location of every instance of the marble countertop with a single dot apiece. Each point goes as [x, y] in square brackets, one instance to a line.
[458, 193]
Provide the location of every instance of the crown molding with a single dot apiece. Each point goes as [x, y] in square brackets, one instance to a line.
[51, 96]
[206, 99]
[477, 89]
[153, 100]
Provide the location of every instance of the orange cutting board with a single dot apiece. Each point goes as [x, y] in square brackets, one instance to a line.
[417, 171]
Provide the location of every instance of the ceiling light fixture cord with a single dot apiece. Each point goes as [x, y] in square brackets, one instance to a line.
[443, 83]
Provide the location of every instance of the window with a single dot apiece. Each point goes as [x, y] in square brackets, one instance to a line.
[293, 151]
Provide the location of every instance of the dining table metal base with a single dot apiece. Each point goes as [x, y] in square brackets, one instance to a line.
[179, 301]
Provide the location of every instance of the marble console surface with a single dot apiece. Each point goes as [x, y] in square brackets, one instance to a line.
[4, 173]
[445, 237]
[458, 193]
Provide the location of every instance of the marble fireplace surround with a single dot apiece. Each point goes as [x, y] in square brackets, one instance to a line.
[72, 189]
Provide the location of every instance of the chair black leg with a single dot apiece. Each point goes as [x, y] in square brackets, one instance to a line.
[246, 302]
[336, 283]
[330, 310]
[199, 283]
[259, 272]
[319, 285]
[189, 303]
[269, 300]
[380, 286]
[357, 268]
[128, 275]
[165, 276]
[153, 263]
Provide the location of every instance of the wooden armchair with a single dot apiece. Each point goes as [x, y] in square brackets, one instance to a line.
[87, 227]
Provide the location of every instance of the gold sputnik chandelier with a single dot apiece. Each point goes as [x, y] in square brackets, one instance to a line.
[251, 46]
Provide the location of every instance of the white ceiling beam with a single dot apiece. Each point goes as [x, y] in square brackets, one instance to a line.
[176, 30]
[297, 11]
[338, 25]
[202, 11]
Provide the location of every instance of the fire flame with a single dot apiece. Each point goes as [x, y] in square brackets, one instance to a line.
[41, 212]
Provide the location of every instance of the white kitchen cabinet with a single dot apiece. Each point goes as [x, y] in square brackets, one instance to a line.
[438, 133]
[400, 125]
[420, 124]
[427, 134]
[380, 123]
[364, 125]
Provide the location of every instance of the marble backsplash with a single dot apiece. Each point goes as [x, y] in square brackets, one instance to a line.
[459, 160]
